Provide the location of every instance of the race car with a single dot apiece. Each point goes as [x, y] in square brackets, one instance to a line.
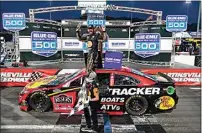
[121, 91]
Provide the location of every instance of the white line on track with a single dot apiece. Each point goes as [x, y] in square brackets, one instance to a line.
[195, 88]
[38, 126]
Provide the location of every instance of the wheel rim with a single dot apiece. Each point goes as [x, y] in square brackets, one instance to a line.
[39, 101]
[136, 105]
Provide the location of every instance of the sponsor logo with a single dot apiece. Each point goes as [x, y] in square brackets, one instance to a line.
[14, 77]
[62, 107]
[165, 103]
[36, 26]
[114, 99]
[185, 77]
[63, 99]
[118, 44]
[72, 55]
[110, 107]
[46, 27]
[71, 43]
[135, 91]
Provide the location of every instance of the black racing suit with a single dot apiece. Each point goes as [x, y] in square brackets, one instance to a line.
[97, 40]
[94, 105]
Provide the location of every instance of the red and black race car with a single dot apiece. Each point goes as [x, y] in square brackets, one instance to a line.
[125, 90]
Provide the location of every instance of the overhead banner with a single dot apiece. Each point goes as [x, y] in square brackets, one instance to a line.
[14, 21]
[96, 19]
[176, 23]
[44, 43]
[147, 44]
[22, 76]
[113, 60]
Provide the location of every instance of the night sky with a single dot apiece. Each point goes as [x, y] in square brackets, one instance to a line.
[168, 8]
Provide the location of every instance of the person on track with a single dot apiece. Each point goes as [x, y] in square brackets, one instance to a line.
[94, 103]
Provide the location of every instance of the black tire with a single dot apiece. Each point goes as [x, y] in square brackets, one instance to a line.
[39, 102]
[140, 102]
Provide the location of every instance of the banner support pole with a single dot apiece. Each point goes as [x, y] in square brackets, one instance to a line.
[173, 50]
[129, 45]
[61, 40]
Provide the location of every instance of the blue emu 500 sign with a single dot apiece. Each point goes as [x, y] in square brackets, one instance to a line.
[14, 21]
[176, 23]
[44, 43]
[147, 44]
[96, 19]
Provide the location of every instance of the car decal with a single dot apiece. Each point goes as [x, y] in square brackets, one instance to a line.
[62, 91]
[39, 82]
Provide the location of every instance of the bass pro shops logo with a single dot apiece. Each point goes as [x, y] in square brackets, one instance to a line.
[185, 77]
[135, 91]
[15, 77]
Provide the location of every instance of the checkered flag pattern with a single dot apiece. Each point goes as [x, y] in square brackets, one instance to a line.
[35, 75]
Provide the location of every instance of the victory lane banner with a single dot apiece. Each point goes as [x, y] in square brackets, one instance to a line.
[22, 76]
[14, 21]
[176, 23]
[147, 44]
[44, 43]
[113, 60]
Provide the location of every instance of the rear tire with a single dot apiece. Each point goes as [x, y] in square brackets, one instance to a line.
[136, 105]
[39, 102]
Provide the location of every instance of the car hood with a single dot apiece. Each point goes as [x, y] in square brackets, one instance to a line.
[40, 82]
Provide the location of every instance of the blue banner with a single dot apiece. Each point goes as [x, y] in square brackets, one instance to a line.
[176, 23]
[113, 60]
[96, 19]
[44, 43]
[14, 21]
[147, 44]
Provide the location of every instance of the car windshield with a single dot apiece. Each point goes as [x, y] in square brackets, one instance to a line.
[64, 78]
[138, 72]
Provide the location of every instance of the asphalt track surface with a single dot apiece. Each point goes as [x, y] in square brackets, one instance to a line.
[184, 119]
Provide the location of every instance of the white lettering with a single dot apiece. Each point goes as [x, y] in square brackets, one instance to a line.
[114, 99]
[110, 107]
[133, 91]
[185, 77]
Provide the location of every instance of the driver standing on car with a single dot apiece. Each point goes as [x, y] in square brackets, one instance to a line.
[94, 103]
[96, 35]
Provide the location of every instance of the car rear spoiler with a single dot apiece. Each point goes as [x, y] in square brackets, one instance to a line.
[166, 77]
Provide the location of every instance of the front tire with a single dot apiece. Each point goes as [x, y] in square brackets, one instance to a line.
[136, 105]
[39, 102]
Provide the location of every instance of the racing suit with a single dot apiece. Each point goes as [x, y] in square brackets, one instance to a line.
[94, 41]
[93, 92]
